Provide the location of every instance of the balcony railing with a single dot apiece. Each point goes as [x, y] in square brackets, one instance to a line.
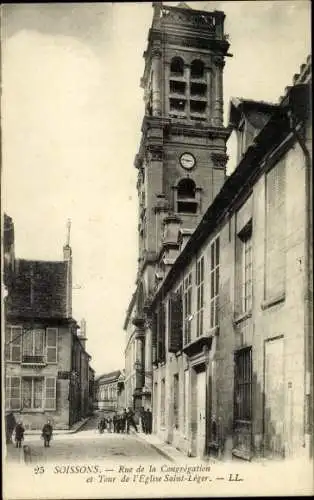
[33, 360]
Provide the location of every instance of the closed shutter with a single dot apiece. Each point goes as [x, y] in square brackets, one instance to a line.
[13, 393]
[51, 344]
[154, 337]
[50, 393]
[175, 323]
[161, 347]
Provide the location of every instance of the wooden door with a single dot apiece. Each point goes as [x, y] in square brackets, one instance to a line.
[201, 415]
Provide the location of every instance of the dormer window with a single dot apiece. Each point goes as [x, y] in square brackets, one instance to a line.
[186, 197]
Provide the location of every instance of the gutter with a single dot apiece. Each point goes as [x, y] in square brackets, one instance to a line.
[308, 333]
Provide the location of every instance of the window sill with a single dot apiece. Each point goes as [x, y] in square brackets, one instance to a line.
[242, 317]
[32, 410]
[273, 301]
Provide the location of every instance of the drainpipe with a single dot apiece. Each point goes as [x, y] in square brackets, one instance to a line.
[308, 339]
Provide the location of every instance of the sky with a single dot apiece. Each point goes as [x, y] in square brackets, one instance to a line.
[72, 110]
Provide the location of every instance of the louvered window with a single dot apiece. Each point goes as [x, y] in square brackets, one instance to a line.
[275, 232]
[199, 296]
[175, 322]
[214, 283]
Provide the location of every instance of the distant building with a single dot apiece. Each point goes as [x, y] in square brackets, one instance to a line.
[109, 389]
[46, 364]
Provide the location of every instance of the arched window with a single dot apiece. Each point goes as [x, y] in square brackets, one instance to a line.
[186, 189]
[177, 66]
[186, 196]
[197, 69]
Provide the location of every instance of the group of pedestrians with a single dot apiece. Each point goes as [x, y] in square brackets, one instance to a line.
[119, 422]
[17, 430]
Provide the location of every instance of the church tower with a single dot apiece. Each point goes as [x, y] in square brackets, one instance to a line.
[182, 155]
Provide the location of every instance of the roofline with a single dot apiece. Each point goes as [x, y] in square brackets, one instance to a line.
[213, 216]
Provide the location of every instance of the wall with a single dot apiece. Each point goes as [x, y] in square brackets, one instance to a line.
[59, 417]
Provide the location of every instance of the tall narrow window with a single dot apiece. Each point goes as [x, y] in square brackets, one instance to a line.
[275, 232]
[214, 283]
[51, 343]
[200, 296]
[50, 393]
[175, 315]
[247, 274]
[186, 402]
[161, 333]
[163, 402]
[244, 266]
[187, 310]
[176, 401]
[243, 386]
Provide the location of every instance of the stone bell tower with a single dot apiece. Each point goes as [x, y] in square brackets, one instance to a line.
[182, 155]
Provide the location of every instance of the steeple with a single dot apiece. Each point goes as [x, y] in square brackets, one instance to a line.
[67, 251]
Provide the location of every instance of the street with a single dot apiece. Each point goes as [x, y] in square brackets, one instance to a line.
[87, 445]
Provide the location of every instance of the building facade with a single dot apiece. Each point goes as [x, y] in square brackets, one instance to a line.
[233, 370]
[181, 159]
[219, 329]
[109, 392]
[46, 365]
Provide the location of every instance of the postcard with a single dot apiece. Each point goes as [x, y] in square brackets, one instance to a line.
[157, 249]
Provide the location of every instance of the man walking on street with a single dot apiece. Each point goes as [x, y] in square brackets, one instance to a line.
[19, 434]
[130, 420]
[47, 433]
[149, 421]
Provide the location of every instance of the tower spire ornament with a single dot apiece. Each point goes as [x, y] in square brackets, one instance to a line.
[68, 232]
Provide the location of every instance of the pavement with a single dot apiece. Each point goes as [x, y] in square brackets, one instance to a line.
[164, 449]
[75, 428]
[86, 444]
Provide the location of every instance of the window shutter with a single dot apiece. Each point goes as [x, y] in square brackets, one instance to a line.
[161, 351]
[52, 344]
[175, 323]
[154, 337]
[15, 393]
[50, 393]
[7, 392]
[13, 345]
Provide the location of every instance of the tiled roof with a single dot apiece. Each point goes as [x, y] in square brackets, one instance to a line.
[257, 112]
[39, 289]
[109, 376]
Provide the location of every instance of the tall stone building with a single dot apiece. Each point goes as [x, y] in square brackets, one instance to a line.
[181, 160]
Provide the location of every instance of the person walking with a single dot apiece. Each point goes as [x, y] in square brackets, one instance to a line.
[114, 422]
[144, 421]
[149, 421]
[130, 421]
[47, 434]
[10, 424]
[19, 434]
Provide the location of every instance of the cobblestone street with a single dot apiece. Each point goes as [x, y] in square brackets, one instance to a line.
[87, 445]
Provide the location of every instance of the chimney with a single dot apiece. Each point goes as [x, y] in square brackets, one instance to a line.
[67, 257]
[82, 333]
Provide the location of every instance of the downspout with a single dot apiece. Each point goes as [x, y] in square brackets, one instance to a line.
[308, 333]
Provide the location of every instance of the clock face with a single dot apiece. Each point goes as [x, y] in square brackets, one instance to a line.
[187, 161]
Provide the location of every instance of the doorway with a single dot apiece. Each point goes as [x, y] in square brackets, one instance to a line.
[201, 412]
